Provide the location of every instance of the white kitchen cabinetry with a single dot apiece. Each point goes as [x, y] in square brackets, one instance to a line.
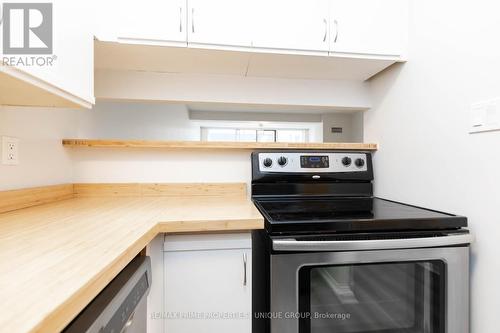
[317, 27]
[343, 27]
[212, 24]
[162, 22]
[207, 283]
[291, 25]
[296, 39]
[67, 78]
[218, 23]
[368, 27]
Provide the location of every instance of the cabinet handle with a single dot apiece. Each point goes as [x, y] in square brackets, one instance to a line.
[336, 30]
[180, 19]
[192, 20]
[244, 269]
[326, 29]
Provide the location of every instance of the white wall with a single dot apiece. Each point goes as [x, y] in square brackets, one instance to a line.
[160, 165]
[43, 160]
[351, 124]
[172, 121]
[161, 86]
[159, 121]
[153, 121]
[129, 120]
[420, 118]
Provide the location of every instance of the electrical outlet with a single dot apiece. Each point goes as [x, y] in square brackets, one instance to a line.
[10, 150]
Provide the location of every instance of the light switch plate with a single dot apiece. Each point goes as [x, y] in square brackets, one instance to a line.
[10, 150]
[485, 116]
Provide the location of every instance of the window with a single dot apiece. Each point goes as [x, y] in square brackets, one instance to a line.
[254, 135]
[266, 135]
[219, 134]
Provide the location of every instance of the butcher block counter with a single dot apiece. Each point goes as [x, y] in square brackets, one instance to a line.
[56, 256]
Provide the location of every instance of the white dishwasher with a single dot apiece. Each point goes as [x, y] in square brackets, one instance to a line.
[122, 306]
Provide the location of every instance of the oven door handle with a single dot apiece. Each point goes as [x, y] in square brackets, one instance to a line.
[291, 244]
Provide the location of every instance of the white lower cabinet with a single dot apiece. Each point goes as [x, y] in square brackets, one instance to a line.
[207, 283]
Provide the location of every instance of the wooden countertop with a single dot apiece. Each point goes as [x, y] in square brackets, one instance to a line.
[56, 257]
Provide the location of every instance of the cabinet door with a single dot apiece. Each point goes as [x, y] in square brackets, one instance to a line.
[162, 21]
[291, 24]
[206, 291]
[74, 48]
[220, 22]
[66, 73]
[376, 27]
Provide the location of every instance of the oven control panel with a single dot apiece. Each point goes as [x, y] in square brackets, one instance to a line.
[288, 162]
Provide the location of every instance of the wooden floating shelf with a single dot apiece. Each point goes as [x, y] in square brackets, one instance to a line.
[215, 144]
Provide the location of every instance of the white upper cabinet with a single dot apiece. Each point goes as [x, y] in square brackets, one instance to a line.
[73, 69]
[151, 21]
[63, 77]
[366, 28]
[214, 23]
[369, 27]
[291, 25]
[313, 39]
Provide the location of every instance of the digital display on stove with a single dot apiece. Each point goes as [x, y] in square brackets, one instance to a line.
[314, 161]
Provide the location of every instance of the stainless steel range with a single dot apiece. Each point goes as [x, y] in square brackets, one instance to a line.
[333, 258]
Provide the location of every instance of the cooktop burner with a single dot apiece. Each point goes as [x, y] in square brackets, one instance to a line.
[316, 209]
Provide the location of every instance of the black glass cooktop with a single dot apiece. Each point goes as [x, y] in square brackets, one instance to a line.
[350, 214]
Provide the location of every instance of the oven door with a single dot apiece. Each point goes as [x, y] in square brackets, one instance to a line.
[379, 289]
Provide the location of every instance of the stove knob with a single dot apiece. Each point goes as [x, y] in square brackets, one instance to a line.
[359, 162]
[282, 161]
[346, 161]
[267, 162]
